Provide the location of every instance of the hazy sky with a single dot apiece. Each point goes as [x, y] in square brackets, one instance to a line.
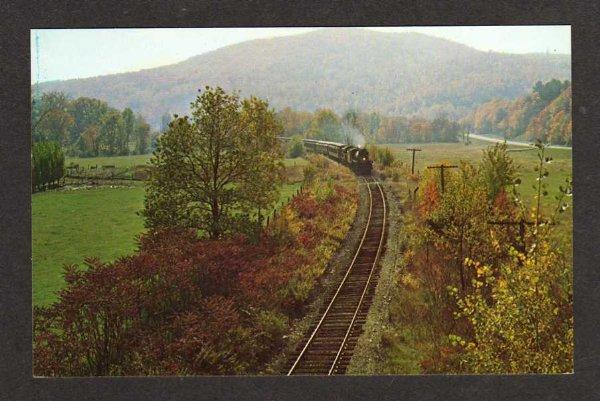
[80, 53]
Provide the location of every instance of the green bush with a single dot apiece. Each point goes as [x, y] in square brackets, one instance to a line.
[385, 157]
[296, 148]
[47, 164]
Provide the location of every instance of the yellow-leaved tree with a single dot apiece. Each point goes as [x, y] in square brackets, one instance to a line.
[520, 311]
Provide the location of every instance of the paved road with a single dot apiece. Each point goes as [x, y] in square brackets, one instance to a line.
[515, 143]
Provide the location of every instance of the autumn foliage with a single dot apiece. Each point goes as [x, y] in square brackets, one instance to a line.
[543, 114]
[491, 297]
[182, 306]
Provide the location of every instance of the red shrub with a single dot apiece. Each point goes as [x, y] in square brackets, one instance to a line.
[305, 205]
[430, 199]
[181, 305]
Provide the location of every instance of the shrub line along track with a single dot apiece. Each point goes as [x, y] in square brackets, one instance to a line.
[328, 347]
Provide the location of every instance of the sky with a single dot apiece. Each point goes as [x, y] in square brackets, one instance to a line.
[82, 53]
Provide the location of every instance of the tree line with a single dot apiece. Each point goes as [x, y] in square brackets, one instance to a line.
[88, 127]
[357, 128]
[544, 114]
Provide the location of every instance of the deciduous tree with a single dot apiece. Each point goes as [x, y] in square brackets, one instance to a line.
[142, 135]
[128, 129]
[209, 170]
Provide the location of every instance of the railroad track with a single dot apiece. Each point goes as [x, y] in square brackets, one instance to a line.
[329, 344]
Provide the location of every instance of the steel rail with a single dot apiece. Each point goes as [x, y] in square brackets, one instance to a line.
[364, 292]
[299, 358]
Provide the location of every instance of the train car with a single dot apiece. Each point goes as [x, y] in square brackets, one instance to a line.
[357, 159]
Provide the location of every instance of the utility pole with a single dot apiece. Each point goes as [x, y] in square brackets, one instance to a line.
[442, 168]
[413, 150]
[522, 223]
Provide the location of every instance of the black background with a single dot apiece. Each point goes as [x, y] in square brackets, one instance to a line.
[18, 18]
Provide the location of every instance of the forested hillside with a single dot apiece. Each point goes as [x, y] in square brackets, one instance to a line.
[389, 73]
[543, 114]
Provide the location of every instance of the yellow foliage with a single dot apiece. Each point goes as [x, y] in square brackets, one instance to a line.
[522, 322]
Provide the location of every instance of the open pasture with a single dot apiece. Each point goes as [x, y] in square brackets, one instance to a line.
[526, 160]
[136, 160]
[117, 161]
[69, 225]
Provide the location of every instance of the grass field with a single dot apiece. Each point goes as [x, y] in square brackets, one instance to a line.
[452, 153]
[560, 168]
[135, 160]
[117, 161]
[69, 225]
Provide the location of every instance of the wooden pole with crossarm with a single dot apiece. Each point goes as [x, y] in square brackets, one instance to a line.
[413, 150]
[442, 168]
[521, 247]
[521, 223]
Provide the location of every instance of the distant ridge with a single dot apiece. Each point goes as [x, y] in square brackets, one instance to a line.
[392, 73]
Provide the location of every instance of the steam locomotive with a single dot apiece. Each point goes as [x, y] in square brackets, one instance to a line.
[357, 159]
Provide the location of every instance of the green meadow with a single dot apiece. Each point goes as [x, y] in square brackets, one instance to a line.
[70, 225]
[452, 153]
[525, 159]
[117, 161]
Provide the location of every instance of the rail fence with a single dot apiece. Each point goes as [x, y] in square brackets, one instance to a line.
[273, 216]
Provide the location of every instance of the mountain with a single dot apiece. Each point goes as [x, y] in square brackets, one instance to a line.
[391, 73]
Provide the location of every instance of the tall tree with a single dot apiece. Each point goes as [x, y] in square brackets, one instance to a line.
[128, 129]
[42, 108]
[210, 170]
[88, 141]
[325, 125]
[294, 122]
[111, 133]
[47, 164]
[50, 119]
[142, 135]
[85, 112]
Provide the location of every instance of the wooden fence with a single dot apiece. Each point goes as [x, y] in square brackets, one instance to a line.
[270, 219]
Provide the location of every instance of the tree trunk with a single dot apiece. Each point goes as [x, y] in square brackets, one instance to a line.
[216, 215]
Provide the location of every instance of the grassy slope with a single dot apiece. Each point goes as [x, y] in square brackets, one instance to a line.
[117, 161]
[68, 226]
